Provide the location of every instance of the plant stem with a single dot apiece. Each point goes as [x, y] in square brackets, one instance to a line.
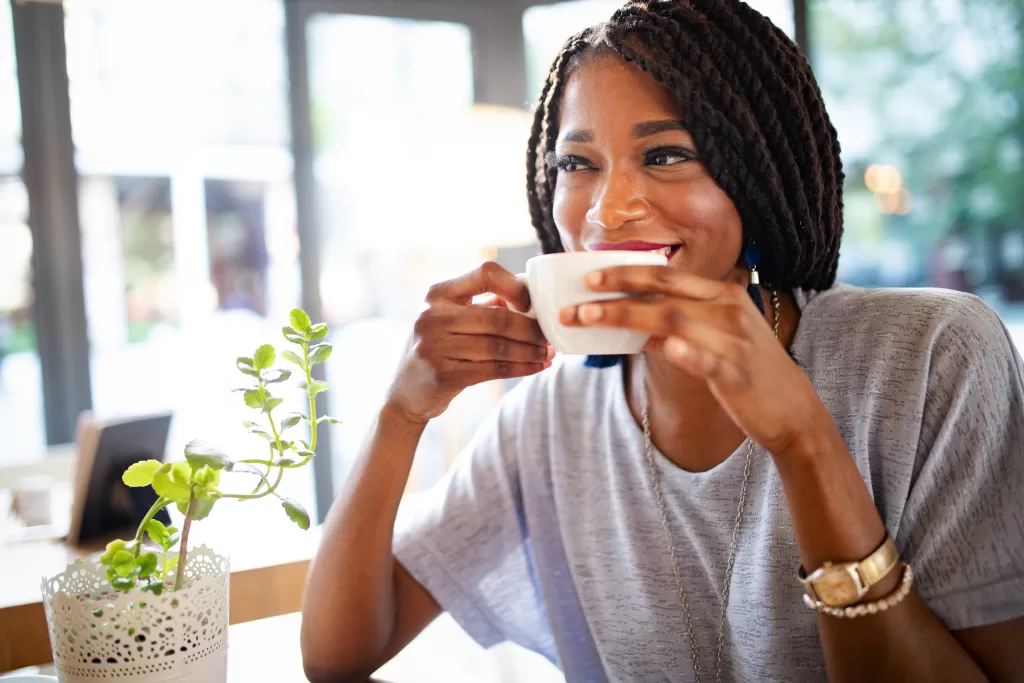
[159, 505]
[271, 490]
[312, 398]
[179, 576]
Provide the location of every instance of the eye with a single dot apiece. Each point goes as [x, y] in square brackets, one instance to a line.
[569, 163]
[668, 156]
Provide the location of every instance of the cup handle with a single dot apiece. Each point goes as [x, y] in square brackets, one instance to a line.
[531, 313]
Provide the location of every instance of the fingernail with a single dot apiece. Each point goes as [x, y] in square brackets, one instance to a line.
[590, 313]
[593, 279]
[551, 353]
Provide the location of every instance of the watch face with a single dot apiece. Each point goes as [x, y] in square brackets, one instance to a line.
[837, 586]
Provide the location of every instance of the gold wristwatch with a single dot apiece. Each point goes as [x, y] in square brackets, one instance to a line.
[844, 583]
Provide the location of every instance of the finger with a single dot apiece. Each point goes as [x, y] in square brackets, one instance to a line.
[468, 373]
[490, 348]
[658, 279]
[705, 354]
[488, 278]
[661, 317]
[490, 301]
[499, 322]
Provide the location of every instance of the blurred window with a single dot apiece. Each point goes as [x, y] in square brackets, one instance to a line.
[190, 249]
[21, 396]
[927, 100]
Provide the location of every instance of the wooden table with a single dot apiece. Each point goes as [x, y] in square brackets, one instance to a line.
[268, 650]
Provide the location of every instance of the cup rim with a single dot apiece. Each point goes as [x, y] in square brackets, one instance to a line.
[654, 256]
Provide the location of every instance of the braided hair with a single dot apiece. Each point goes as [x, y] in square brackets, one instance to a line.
[754, 110]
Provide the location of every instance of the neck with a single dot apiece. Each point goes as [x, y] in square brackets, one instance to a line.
[687, 423]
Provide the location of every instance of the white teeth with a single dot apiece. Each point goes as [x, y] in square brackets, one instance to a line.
[664, 251]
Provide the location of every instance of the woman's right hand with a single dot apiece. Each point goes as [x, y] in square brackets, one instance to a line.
[456, 343]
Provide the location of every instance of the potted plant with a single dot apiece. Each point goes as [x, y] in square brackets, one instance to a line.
[152, 608]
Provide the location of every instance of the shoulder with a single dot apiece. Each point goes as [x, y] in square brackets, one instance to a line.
[912, 324]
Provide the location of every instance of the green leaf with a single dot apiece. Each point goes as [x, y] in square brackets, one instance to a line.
[244, 366]
[123, 563]
[293, 357]
[296, 513]
[299, 320]
[154, 585]
[123, 583]
[285, 445]
[286, 330]
[113, 548]
[305, 452]
[263, 433]
[264, 357]
[249, 424]
[284, 462]
[271, 404]
[203, 454]
[320, 353]
[253, 398]
[315, 387]
[158, 532]
[172, 538]
[295, 339]
[291, 421]
[203, 508]
[173, 481]
[147, 564]
[170, 562]
[281, 376]
[328, 418]
[141, 473]
[318, 331]
[206, 477]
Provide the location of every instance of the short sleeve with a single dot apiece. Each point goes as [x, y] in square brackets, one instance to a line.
[962, 528]
[465, 540]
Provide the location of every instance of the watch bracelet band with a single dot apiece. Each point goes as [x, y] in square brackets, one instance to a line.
[870, 570]
[878, 564]
[866, 608]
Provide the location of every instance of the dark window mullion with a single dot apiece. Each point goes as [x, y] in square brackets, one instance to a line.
[52, 184]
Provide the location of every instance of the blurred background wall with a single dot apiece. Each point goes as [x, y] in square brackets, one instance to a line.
[207, 136]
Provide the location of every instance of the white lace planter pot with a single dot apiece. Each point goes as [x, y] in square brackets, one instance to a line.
[99, 634]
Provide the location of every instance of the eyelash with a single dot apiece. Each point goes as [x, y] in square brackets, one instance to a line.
[565, 162]
[682, 152]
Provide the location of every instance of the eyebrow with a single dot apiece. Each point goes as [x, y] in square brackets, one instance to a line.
[640, 130]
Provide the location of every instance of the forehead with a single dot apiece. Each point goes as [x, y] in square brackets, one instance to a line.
[608, 92]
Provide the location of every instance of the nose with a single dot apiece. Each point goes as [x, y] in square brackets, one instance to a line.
[620, 200]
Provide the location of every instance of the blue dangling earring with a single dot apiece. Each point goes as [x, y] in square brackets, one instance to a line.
[753, 256]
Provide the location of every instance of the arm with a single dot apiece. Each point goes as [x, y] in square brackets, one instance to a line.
[357, 613]
[361, 606]
[712, 330]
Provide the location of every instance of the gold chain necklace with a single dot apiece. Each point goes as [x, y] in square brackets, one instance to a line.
[662, 509]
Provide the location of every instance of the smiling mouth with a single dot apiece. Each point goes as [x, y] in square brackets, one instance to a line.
[667, 250]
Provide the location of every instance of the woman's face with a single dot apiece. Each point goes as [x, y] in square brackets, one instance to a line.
[629, 177]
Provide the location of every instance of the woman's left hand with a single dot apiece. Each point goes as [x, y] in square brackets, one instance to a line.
[714, 331]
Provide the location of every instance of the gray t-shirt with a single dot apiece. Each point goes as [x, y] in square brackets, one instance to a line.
[546, 532]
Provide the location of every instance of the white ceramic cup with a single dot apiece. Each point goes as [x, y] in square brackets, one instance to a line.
[556, 281]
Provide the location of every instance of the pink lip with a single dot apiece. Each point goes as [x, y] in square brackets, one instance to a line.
[631, 245]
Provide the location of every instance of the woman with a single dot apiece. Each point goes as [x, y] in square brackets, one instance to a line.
[664, 518]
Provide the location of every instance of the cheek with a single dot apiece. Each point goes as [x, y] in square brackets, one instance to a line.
[570, 207]
[707, 207]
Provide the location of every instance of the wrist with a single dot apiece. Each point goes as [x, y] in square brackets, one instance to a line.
[812, 444]
[394, 414]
